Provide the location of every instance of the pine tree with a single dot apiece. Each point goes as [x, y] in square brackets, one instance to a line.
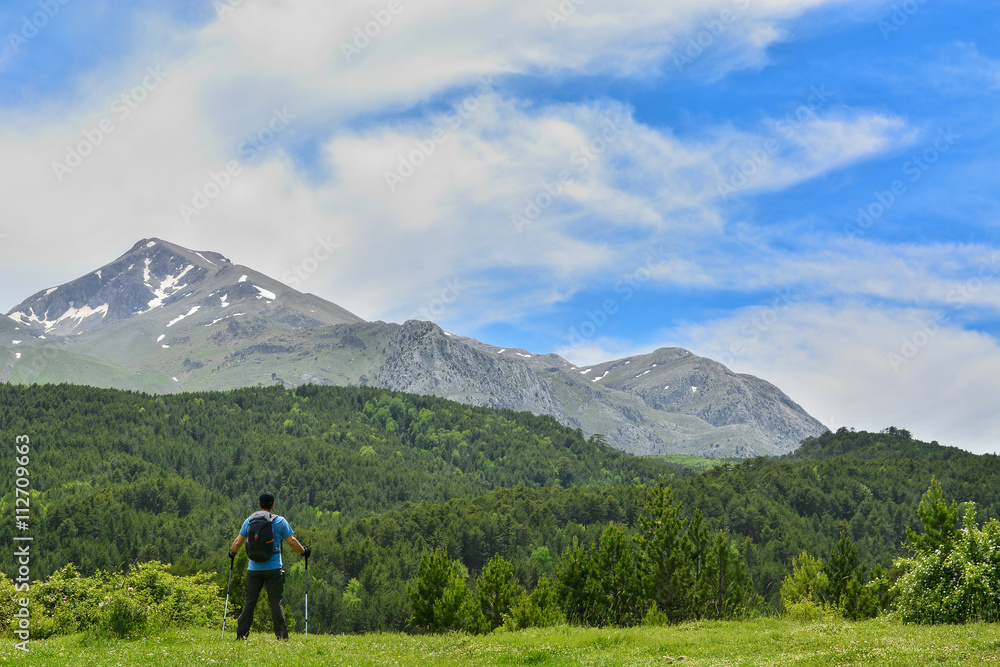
[806, 583]
[573, 583]
[436, 593]
[495, 590]
[664, 547]
[614, 586]
[699, 544]
[842, 566]
[727, 585]
[538, 609]
[940, 522]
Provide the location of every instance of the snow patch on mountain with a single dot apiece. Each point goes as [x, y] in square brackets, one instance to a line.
[206, 259]
[79, 314]
[267, 294]
[177, 319]
[168, 286]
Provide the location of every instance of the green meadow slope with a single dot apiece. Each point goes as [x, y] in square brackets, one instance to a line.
[764, 642]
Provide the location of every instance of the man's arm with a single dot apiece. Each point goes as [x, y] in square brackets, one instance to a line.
[237, 543]
[295, 544]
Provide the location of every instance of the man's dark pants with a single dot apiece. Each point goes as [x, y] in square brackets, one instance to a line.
[256, 580]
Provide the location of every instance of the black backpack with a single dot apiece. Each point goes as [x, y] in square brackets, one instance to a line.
[260, 537]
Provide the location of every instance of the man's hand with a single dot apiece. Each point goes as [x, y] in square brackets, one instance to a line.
[231, 554]
[306, 551]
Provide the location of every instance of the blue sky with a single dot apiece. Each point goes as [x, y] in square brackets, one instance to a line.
[805, 190]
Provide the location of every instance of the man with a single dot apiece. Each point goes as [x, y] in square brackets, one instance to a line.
[267, 573]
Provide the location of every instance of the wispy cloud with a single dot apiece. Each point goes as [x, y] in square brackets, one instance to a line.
[963, 68]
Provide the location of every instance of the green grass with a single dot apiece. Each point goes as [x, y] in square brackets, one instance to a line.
[761, 642]
[696, 463]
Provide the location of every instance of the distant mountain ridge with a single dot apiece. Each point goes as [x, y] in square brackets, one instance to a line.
[162, 318]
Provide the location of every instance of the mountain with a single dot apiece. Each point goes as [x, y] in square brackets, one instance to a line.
[168, 283]
[162, 318]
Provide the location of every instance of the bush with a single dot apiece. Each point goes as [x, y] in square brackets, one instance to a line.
[858, 601]
[68, 602]
[118, 605]
[655, 618]
[125, 615]
[955, 583]
[808, 610]
[192, 600]
[8, 604]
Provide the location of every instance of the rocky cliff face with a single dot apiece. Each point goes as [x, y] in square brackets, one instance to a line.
[164, 318]
[422, 359]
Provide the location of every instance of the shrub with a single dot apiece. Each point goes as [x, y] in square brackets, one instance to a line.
[192, 600]
[858, 601]
[118, 605]
[68, 602]
[8, 604]
[655, 618]
[809, 610]
[125, 615]
[955, 583]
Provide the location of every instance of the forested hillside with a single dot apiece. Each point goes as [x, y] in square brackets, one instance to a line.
[121, 477]
[374, 479]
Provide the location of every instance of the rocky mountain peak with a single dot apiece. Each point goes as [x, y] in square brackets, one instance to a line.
[153, 276]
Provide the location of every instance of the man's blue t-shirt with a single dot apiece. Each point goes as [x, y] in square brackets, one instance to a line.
[281, 531]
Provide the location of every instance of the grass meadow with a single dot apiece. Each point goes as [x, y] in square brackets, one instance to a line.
[767, 642]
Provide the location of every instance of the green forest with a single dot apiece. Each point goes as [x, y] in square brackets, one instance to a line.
[425, 514]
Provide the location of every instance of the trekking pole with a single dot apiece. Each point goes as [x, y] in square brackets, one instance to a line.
[307, 596]
[226, 612]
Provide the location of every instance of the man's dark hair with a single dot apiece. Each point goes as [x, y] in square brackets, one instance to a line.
[266, 500]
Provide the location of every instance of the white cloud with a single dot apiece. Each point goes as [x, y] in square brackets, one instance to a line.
[225, 81]
[538, 189]
[474, 167]
[867, 367]
[963, 68]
